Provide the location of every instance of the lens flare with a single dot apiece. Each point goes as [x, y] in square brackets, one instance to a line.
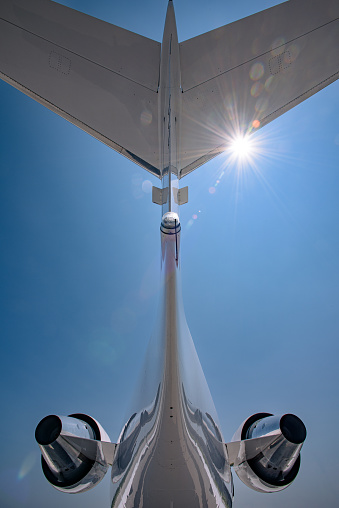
[27, 465]
[146, 186]
[242, 147]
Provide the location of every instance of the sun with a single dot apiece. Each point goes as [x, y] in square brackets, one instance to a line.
[242, 147]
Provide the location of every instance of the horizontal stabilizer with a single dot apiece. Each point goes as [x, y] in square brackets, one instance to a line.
[240, 77]
[98, 76]
[105, 79]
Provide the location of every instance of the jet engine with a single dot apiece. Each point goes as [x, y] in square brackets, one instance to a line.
[269, 451]
[72, 458]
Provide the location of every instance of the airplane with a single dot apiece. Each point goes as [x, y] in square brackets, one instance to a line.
[171, 450]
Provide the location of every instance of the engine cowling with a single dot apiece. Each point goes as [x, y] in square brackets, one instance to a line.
[277, 464]
[63, 462]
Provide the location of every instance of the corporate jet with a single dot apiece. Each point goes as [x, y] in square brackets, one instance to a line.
[170, 107]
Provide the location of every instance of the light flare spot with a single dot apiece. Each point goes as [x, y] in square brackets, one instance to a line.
[286, 59]
[268, 83]
[103, 346]
[146, 186]
[194, 216]
[257, 71]
[256, 89]
[27, 465]
[278, 46]
[211, 190]
[256, 124]
[146, 117]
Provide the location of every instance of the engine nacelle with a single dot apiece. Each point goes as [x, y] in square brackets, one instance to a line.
[63, 462]
[276, 464]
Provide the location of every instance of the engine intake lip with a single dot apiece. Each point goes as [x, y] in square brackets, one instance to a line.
[48, 430]
[293, 429]
[252, 419]
[91, 422]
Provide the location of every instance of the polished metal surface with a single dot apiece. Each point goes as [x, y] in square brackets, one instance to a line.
[172, 451]
[63, 441]
[276, 461]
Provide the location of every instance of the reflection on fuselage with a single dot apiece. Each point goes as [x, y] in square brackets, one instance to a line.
[204, 455]
[129, 438]
[171, 452]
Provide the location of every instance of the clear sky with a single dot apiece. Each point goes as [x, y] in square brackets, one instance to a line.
[79, 280]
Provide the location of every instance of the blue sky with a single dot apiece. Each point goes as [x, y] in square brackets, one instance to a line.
[79, 281]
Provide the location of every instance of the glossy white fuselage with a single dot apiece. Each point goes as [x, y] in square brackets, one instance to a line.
[171, 452]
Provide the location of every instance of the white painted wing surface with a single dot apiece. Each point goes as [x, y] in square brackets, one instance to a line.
[239, 77]
[98, 76]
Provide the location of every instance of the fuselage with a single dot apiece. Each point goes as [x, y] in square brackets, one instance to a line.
[171, 451]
